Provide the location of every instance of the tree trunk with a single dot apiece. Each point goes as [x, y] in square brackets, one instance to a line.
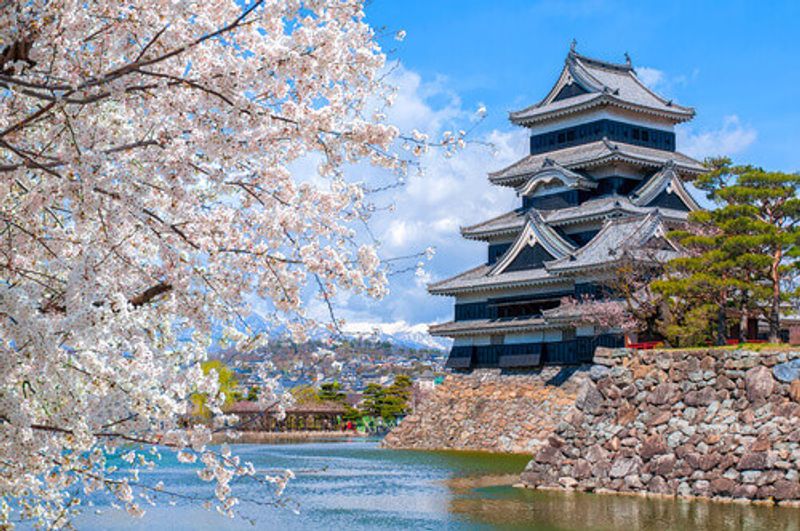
[775, 310]
[721, 325]
[743, 319]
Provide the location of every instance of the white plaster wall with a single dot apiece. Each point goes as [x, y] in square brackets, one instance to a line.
[552, 335]
[598, 114]
[531, 337]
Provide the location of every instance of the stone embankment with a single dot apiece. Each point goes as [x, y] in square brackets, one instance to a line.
[487, 411]
[722, 424]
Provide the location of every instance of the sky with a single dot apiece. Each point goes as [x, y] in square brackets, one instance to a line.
[736, 63]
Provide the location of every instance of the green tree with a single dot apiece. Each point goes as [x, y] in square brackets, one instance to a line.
[703, 283]
[759, 211]
[252, 394]
[305, 394]
[388, 402]
[228, 385]
[331, 392]
[373, 396]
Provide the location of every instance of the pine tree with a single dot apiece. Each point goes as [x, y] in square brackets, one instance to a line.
[701, 284]
[760, 214]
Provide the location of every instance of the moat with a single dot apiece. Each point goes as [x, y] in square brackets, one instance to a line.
[356, 485]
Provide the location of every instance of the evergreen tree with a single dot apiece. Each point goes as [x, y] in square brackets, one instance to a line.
[759, 213]
[703, 284]
[331, 392]
[373, 397]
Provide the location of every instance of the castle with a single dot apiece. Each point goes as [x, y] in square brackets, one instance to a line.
[602, 176]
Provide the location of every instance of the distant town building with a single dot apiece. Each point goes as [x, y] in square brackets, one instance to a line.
[602, 175]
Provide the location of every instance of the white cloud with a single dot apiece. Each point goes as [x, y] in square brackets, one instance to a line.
[732, 138]
[430, 208]
[652, 77]
[663, 83]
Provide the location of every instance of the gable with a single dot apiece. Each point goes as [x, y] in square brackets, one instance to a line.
[570, 91]
[530, 257]
[669, 200]
[659, 243]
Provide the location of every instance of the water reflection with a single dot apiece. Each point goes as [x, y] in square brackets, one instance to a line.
[509, 508]
[358, 486]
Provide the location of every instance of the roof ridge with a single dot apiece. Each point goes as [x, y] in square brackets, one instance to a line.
[440, 282]
[515, 211]
[622, 67]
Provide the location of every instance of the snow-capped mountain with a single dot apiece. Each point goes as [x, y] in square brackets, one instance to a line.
[398, 333]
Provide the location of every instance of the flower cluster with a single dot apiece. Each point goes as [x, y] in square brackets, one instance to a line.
[146, 150]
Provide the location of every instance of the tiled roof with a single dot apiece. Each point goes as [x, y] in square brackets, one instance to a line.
[512, 222]
[665, 179]
[594, 154]
[605, 84]
[535, 232]
[617, 237]
[552, 172]
[476, 279]
[508, 223]
[608, 206]
[476, 326]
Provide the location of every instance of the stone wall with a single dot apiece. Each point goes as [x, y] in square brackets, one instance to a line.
[490, 411]
[707, 423]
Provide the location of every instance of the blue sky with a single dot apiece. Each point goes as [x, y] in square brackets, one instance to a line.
[737, 63]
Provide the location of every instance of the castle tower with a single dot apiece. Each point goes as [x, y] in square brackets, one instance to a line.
[602, 174]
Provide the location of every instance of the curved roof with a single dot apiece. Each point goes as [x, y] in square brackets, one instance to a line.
[594, 154]
[618, 236]
[665, 180]
[606, 207]
[600, 83]
[477, 326]
[551, 172]
[507, 224]
[478, 279]
[536, 231]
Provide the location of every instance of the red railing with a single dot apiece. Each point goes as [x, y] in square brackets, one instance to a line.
[646, 345]
[736, 341]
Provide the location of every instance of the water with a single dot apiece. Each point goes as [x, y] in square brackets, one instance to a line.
[358, 486]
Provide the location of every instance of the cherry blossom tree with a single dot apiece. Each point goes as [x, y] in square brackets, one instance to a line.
[148, 193]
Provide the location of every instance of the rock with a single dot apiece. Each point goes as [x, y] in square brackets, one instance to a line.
[659, 418]
[762, 444]
[626, 414]
[787, 490]
[722, 487]
[663, 464]
[787, 372]
[752, 461]
[664, 393]
[568, 482]
[745, 491]
[659, 485]
[582, 469]
[652, 446]
[623, 467]
[598, 371]
[702, 462]
[700, 398]
[701, 488]
[794, 390]
[589, 399]
[759, 383]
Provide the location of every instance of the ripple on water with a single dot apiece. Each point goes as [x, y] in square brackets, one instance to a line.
[358, 486]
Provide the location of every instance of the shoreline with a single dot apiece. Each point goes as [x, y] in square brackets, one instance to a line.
[265, 437]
